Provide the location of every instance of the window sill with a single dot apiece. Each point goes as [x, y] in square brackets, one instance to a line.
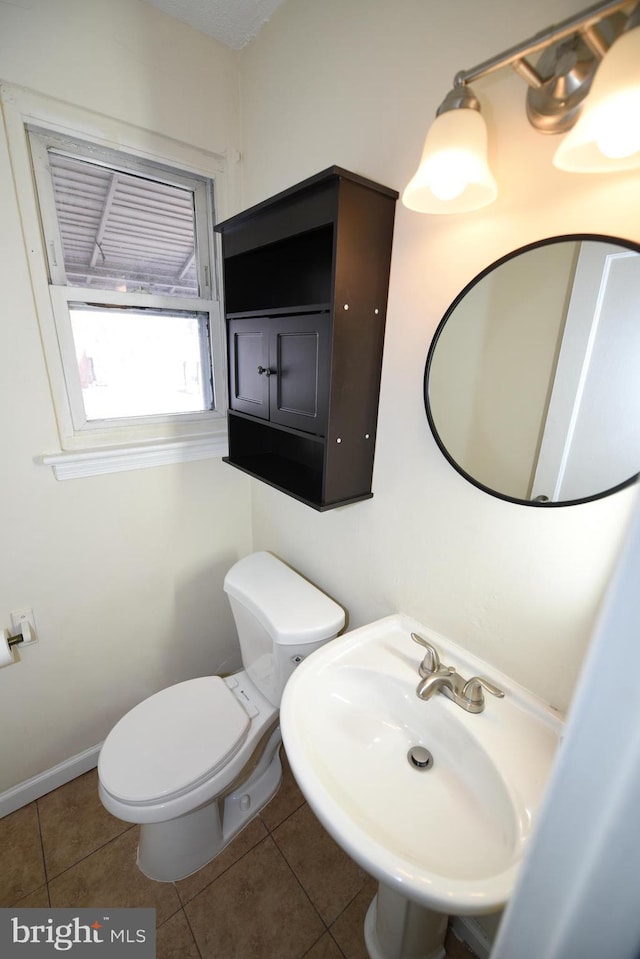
[115, 459]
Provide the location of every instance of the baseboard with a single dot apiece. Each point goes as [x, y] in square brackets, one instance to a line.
[64, 772]
[472, 934]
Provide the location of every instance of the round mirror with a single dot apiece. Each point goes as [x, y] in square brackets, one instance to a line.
[532, 386]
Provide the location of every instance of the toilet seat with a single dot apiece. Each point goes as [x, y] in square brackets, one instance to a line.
[173, 741]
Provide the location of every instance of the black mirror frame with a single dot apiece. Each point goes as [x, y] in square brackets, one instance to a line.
[547, 241]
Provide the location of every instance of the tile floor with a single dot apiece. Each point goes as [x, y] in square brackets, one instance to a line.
[282, 889]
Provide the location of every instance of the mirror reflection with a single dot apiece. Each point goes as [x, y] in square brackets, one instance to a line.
[532, 388]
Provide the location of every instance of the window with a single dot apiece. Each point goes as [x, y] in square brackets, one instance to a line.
[129, 253]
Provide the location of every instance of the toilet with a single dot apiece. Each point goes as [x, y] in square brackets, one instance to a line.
[194, 763]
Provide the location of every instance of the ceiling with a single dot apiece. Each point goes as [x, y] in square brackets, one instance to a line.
[232, 22]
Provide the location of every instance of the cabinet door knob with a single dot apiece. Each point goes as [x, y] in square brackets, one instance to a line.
[266, 371]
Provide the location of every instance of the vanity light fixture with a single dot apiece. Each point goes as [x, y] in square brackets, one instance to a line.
[454, 174]
[594, 53]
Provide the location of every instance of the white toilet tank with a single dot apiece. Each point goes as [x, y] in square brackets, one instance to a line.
[280, 618]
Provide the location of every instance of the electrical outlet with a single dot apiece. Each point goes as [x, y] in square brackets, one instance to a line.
[23, 621]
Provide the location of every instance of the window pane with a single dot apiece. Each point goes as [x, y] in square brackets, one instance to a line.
[135, 362]
[124, 232]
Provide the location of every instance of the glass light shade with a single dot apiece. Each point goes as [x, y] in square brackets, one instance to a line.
[454, 175]
[607, 135]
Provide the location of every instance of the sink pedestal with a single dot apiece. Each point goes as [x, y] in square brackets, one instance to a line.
[395, 928]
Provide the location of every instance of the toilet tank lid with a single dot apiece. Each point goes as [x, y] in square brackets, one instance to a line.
[291, 609]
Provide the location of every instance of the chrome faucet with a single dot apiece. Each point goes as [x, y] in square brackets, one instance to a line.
[466, 693]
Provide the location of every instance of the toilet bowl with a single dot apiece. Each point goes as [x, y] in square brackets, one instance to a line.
[195, 762]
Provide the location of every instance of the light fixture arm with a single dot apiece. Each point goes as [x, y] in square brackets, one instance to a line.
[527, 73]
[516, 56]
[594, 40]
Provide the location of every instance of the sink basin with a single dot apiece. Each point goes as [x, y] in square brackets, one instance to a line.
[449, 837]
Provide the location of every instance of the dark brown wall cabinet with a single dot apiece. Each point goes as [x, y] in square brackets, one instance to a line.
[306, 276]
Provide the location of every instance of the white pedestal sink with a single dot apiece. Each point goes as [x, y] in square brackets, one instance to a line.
[396, 928]
[442, 840]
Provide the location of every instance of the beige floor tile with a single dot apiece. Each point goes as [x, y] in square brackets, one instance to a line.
[330, 878]
[325, 948]
[255, 910]
[250, 836]
[286, 800]
[38, 899]
[75, 823]
[111, 878]
[348, 929]
[175, 939]
[21, 861]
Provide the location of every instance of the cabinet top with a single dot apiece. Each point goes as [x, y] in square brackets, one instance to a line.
[331, 173]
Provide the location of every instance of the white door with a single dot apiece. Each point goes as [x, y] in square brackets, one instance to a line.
[591, 439]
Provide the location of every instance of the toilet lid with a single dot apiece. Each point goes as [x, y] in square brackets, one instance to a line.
[173, 741]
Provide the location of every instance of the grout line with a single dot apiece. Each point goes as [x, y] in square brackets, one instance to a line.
[314, 944]
[337, 945]
[368, 879]
[193, 935]
[293, 873]
[173, 914]
[185, 902]
[90, 854]
[334, 941]
[272, 829]
[44, 858]
[267, 839]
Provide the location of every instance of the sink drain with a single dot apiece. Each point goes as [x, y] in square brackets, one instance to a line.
[420, 758]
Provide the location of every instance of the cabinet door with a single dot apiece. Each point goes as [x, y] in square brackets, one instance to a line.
[299, 388]
[248, 356]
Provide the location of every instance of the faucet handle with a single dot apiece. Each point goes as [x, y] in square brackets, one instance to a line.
[472, 689]
[430, 682]
[431, 661]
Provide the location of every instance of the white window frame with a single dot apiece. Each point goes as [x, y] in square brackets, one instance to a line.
[87, 448]
[61, 297]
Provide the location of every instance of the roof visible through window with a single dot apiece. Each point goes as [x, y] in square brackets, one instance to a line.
[124, 232]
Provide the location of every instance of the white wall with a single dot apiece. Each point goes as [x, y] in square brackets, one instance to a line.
[124, 571]
[356, 84]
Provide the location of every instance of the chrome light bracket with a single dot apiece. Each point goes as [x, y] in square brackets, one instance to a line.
[460, 97]
[569, 56]
[566, 72]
